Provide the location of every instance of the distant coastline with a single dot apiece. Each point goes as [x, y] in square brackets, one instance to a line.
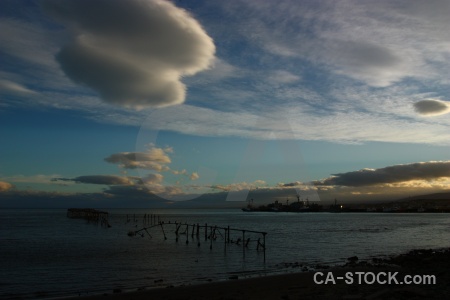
[403, 206]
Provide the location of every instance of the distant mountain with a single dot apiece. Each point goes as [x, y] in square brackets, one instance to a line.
[92, 200]
[435, 196]
[210, 200]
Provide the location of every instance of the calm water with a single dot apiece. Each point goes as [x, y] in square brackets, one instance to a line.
[45, 254]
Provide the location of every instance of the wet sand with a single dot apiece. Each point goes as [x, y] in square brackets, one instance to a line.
[302, 285]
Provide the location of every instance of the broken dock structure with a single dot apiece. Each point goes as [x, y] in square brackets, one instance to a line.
[208, 234]
[89, 214]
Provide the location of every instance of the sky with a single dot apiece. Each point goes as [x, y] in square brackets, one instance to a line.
[152, 102]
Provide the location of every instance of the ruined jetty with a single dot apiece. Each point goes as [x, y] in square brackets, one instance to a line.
[242, 237]
[89, 214]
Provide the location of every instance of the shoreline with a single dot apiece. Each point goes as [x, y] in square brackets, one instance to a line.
[301, 285]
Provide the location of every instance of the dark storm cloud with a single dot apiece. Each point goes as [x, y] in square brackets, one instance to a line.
[99, 179]
[391, 174]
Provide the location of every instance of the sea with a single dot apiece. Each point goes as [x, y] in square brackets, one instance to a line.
[44, 254]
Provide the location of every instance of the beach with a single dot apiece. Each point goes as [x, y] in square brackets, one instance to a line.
[415, 263]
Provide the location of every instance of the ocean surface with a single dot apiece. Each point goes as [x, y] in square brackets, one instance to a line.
[44, 254]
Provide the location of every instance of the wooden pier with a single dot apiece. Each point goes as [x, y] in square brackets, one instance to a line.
[194, 233]
[89, 214]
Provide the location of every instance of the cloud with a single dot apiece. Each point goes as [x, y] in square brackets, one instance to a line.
[300, 122]
[391, 174]
[290, 184]
[240, 186]
[432, 107]
[13, 87]
[152, 179]
[298, 185]
[153, 159]
[39, 178]
[151, 184]
[5, 186]
[26, 41]
[133, 53]
[219, 70]
[283, 77]
[145, 191]
[377, 65]
[194, 176]
[182, 172]
[377, 43]
[99, 179]
[338, 50]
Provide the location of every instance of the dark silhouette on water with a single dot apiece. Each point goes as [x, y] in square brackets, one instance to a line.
[212, 233]
[89, 214]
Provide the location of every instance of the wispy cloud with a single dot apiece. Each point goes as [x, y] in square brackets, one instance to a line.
[133, 53]
[146, 191]
[283, 77]
[27, 41]
[336, 125]
[378, 43]
[13, 87]
[240, 186]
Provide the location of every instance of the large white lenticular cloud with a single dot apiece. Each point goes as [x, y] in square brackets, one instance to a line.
[134, 52]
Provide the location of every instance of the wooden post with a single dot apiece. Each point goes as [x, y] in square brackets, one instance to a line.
[243, 242]
[176, 230]
[264, 246]
[162, 228]
[225, 239]
[210, 239]
[213, 231]
[187, 234]
[198, 235]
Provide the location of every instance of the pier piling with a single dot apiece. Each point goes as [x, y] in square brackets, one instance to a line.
[89, 214]
[210, 232]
